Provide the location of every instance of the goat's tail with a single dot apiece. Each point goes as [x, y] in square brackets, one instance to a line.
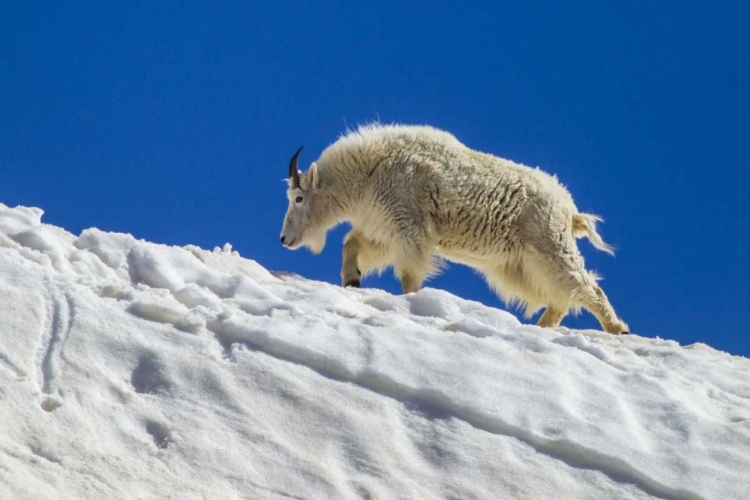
[585, 225]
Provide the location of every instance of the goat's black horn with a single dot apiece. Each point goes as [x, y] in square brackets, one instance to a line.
[293, 171]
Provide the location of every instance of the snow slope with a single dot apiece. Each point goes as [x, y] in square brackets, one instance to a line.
[135, 370]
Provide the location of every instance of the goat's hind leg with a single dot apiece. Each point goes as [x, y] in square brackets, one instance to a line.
[563, 274]
[595, 300]
[551, 317]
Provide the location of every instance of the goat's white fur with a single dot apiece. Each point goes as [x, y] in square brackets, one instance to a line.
[415, 195]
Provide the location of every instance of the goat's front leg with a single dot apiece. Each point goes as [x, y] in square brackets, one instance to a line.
[350, 273]
[413, 262]
[360, 256]
[413, 268]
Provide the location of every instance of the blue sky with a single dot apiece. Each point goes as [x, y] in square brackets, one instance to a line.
[176, 123]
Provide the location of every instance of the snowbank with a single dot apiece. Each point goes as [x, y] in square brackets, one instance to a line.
[135, 370]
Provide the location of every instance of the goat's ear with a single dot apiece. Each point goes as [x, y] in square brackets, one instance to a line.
[314, 178]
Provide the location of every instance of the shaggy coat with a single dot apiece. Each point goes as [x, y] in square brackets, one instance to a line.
[415, 195]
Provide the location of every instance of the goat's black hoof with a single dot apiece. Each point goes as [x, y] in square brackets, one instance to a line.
[353, 284]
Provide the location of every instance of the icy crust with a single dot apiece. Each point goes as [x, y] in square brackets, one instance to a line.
[135, 370]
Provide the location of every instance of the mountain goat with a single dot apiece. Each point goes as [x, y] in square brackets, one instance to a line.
[415, 196]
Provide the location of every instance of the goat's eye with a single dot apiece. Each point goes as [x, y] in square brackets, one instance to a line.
[298, 199]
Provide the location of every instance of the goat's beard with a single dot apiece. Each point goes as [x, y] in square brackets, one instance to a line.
[316, 242]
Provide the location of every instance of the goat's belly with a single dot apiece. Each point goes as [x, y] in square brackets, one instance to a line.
[462, 253]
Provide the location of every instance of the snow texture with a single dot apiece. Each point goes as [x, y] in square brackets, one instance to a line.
[136, 370]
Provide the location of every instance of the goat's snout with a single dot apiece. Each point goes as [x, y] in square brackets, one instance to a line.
[282, 239]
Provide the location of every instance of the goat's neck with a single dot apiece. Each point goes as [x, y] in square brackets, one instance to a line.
[344, 192]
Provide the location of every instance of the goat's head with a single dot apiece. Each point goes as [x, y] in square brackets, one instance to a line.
[303, 223]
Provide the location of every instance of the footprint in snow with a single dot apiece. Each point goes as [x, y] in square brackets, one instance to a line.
[160, 433]
[150, 377]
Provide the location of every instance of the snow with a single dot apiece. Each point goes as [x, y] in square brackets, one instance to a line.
[131, 369]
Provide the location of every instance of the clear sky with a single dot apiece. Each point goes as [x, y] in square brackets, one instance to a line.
[176, 124]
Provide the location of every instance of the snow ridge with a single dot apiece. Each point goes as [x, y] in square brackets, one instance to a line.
[162, 370]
